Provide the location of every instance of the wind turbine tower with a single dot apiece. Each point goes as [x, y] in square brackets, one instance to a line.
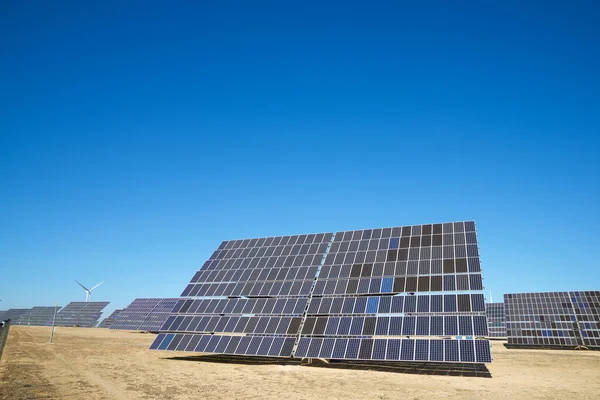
[88, 292]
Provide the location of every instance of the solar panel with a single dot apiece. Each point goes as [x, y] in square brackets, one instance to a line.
[416, 282]
[36, 316]
[14, 313]
[110, 320]
[339, 296]
[495, 319]
[84, 314]
[145, 314]
[566, 319]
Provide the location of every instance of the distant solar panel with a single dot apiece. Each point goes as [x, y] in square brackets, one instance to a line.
[36, 316]
[342, 296]
[110, 320]
[553, 319]
[145, 314]
[84, 314]
[14, 313]
[496, 319]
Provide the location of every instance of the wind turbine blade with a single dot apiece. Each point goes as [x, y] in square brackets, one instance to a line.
[96, 286]
[84, 288]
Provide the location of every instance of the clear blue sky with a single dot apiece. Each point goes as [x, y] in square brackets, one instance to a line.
[135, 138]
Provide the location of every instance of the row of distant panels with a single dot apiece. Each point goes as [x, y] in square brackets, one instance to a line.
[432, 350]
[449, 303]
[463, 325]
[75, 313]
[554, 341]
[436, 283]
[349, 270]
[557, 322]
[145, 314]
[572, 331]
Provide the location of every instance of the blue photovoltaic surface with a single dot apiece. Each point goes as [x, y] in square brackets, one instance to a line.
[566, 319]
[341, 295]
[144, 314]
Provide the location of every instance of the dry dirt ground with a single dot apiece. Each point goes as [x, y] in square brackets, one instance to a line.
[101, 364]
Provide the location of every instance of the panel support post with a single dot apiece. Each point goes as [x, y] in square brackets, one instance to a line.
[53, 320]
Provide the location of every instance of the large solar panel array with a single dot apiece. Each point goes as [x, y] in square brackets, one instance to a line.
[36, 316]
[145, 314]
[553, 318]
[79, 313]
[272, 278]
[13, 313]
[496, 320]
[403, 293]
[110, 320]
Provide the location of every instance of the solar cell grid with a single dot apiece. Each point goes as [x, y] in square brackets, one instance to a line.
[553, 319]
[84, 314]
[110, 320]
[145, 314]
[36, 316]
[496, 320]
[337, 289]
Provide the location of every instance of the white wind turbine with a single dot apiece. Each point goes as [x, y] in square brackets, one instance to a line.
[88, 292]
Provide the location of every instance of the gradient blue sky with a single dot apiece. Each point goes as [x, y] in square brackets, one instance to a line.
[135, 137]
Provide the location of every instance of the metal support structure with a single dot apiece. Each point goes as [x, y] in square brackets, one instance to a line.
[53, 320]
[310, 295]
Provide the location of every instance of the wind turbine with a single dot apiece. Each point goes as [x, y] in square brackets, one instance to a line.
[88, 292]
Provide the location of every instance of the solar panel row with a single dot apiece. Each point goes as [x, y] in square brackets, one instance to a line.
[351, 267]
[434, 283]
[110, 320]
[36, 316]
[496, 320]
[14, 313]
[449, 303]
[553, 318]
[226, 324]
[85, 314]
[145, 314]
[157, 317]
[437, 350]
[463, 325]
[278, 288]
[354, 265]
[242, 306]
[223, 344]
[275, 273]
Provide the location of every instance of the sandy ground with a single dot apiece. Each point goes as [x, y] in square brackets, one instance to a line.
[101, 364]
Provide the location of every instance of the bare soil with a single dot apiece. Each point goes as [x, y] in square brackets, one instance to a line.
[102, 364]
